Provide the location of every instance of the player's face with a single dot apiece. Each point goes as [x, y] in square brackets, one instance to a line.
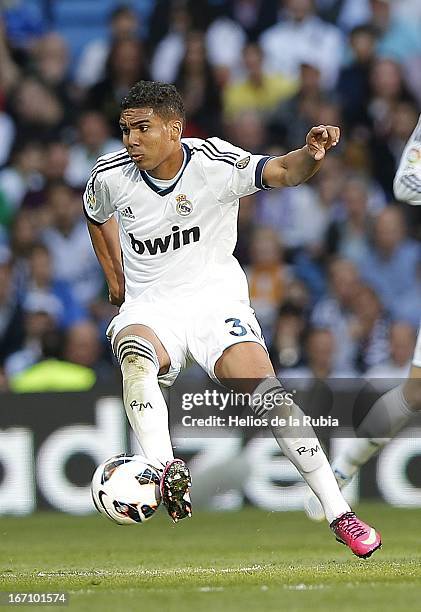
[149, 139]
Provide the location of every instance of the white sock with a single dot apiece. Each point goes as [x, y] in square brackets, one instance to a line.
[143, 400]
[384, 420]
[301, 446]
[356, 454]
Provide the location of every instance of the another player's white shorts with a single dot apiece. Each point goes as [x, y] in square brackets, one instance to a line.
[191, 331]
[416, 360]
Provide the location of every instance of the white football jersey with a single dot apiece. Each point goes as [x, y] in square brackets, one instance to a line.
[178, 241]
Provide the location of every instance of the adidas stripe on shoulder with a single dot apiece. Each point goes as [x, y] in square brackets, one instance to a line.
[213, 152]
[109, 157]
[110, 161]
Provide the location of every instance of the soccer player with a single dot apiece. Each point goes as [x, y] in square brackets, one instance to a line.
[162, 215]
[392, 411]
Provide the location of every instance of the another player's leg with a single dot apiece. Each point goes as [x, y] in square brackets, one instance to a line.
[248, 362]
[388, 415]
[142, 357]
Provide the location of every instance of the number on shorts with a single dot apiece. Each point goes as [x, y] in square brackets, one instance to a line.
[236, 325]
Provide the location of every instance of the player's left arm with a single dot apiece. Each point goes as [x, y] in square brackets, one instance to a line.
[298, 166]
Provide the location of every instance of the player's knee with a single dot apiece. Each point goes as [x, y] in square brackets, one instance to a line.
[137, 358]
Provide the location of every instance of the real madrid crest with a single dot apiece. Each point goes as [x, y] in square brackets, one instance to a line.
[184, 207]
[414, 156]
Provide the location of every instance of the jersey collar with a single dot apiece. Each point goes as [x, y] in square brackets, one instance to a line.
[164, 192]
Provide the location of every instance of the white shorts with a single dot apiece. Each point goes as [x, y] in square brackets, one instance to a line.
[416, 360]
[191, 331]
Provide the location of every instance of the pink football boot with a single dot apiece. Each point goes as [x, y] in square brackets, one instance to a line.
[362, 539]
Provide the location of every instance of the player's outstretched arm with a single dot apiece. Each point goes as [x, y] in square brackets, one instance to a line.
[298, 166]
[106, 243]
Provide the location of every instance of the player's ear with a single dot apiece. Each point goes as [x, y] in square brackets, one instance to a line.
[176, 129]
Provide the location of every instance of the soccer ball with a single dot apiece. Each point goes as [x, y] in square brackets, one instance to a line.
[125, 489]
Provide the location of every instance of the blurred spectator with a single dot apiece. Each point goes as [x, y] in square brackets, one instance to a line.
[285, 209]
[9, 71]
[353, 84]
[402, 338]
[334, 311]
[293, 118]
[225, 40]
[267, 276]
[41, 283]
[320, 351]
[404, 120]
[170, 51]
[197, 85]
[386, 89]
[303, 34]
[254, 16]
[387, 149]
[248, 131]
[369, 329]
[391, 253]
[399, 38]
[94, 140]
[68, 242]
[51, 373]
[51, 64]
[36, 110]
[167, 11]
[349, 237]
[286, 349]
[298, 295]
[347, 14]
[387, 92]
[83, 347]
[40, 315]
[11, 316]
[126, 64]
[23, 236]
[56, 160]
[329, 182]
[123, 23]
[259, 90]
[23, 176]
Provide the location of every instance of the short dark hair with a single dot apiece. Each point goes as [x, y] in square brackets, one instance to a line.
[164, 98]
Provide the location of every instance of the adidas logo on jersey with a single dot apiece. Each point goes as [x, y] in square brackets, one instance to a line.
[161, 245]
[128, 213]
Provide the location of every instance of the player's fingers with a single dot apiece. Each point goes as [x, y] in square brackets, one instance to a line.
[333, 137]
[315, 135]
[320, 153]
[334, 134]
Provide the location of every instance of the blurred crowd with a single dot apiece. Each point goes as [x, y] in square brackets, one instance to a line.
[333, 265]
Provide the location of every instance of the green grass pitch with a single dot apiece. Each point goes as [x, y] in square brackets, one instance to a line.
[241, 561]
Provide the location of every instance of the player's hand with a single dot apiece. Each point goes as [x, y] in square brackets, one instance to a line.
[320, 139]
